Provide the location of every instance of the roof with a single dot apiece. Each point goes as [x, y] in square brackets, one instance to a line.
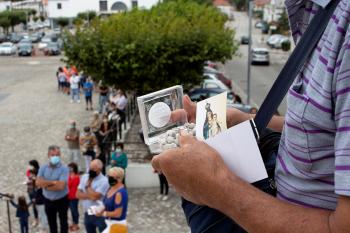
[221, 3]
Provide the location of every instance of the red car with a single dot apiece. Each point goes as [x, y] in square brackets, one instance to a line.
[219, 75]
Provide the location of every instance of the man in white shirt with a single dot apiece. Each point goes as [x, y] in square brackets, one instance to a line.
[74, 85]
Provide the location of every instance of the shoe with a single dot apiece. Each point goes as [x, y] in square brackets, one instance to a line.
[78, 101]
[165, 198]
[35, 223]
[91, 109]
[71, 101]
[87, 109]
[159, 196]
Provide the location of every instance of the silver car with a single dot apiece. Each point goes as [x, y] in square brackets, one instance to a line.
[260, 55]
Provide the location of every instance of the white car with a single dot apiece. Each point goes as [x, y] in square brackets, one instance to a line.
[275, 41]
[212, 83]
[7, 48]
[260, 55]
[44, 42]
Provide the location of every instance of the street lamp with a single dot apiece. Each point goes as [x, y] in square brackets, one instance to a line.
[250, 9]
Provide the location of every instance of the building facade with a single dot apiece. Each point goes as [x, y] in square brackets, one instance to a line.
[71, 8]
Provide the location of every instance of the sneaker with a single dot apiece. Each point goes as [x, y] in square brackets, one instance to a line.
[87, 109]
[71, 101]
[159, 196]
[78, 101]
[165, 198]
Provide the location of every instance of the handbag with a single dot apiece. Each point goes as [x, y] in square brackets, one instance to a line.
[204, 219]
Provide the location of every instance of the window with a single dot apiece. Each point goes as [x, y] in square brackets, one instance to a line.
[103, 6]
[59, 6]
[211, 85]
[134, 3]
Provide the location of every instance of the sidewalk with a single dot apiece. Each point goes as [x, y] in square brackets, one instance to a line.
[33, 116]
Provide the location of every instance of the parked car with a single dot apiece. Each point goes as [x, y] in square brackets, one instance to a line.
[44, 42]
[35, 37]
[260, 55]
[3, 38]
[7, 48]
[210, 83]
[15, 38]
[265, 28]
[26, 41]
[245, 40]
[211, 64]
[260, 24]
[219, 75]
[198, 94]
[52, 48]
[25, 50]
[276, 40]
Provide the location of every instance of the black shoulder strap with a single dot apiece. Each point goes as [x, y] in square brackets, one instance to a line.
[294, 64]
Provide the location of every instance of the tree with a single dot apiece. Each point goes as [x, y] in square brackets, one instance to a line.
[205, 2]
[146, 50]
[5, 23]
[240, 4]
[87, 15]
[283, 23]
[63, 22]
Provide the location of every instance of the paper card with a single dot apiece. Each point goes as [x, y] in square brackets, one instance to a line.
[239, 150]
[211, 116]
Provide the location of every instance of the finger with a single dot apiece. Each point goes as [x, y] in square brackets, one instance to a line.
[156, 164]
[186, 139]
[178, 115]
[162, 158]
[190, 108]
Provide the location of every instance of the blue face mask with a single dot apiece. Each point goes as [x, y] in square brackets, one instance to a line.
[54, 160]
[118, 150]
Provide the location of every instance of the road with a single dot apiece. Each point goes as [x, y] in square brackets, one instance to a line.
[262, 77]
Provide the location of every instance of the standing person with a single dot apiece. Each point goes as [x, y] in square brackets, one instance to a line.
[22, 212]
[163, 187]
[74, 86]
[119, 158]
[31, 187]
[72, 138]
[116, 200]
[92, 188]
[88, 87]
[61, 79]
[95, 123]
[40, 205]
[67, 82]
[104, 141]
[103, 97]
[53, 178]
[73, 183]
[88, 142]
[121, 105]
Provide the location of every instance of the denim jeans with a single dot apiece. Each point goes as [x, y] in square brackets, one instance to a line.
[102, 103]
[92, 222]
[23, 222]
[73, 206]
[75, 94]
[43, 224]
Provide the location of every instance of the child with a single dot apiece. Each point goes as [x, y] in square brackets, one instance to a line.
[22, 212]
[73, 183]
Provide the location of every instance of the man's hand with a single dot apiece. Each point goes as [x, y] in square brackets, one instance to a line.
[194, 169]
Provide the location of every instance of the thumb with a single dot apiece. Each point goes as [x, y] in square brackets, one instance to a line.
[190, 108]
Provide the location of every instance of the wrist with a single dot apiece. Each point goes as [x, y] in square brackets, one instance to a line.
[104, 214]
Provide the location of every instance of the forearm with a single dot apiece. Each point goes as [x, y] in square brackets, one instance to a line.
[235, 117]
[40, 182]
[56, 186]
[259, 212]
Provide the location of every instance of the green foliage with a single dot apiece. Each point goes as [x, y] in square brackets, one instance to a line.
[42, 18]
[147, 50]
[63, 22]
[12, 18]
[35, 18]
[5, 23]
[78, 22]
[204, 2]
[283, 23]
[285, 45]
[87, 15]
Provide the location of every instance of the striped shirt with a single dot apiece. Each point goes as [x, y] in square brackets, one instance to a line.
[313, 163]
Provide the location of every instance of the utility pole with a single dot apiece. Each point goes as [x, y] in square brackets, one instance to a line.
[250, 9]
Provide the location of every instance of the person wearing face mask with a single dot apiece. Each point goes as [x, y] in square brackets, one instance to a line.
[53, 179]
[116, 201]
[92, 188]
[104, 141]
[72, 138]
[88, 142]
[119, 158]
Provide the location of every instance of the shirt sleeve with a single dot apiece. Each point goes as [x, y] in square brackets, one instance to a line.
[103, 188]
[81, 185]
[341, 93]
[64, 175]
[41, 171]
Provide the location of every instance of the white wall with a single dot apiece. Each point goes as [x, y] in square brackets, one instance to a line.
[70, 8]
[4, 5]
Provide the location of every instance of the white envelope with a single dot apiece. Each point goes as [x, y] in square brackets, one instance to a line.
[239, 150]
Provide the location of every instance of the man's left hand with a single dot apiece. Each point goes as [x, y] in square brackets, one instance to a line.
[194, 169]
